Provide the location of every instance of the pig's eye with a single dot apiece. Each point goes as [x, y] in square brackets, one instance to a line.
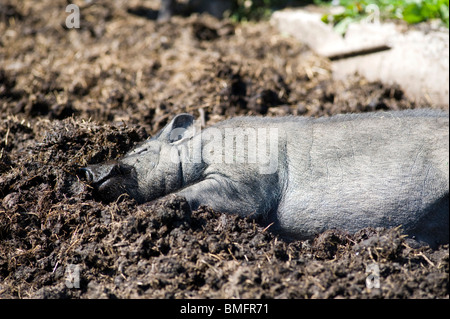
[141, 150]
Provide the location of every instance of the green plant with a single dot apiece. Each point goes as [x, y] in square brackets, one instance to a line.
[411, 11]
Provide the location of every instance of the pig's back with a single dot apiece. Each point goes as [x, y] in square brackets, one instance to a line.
[353, 171]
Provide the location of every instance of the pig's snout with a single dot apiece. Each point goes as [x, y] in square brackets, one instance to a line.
[86, 174]
[97, 175]
[110, 180]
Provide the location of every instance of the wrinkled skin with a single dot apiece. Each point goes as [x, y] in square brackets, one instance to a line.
[346, 172]
[140, 173]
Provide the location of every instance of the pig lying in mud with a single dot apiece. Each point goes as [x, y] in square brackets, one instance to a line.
[303, 175]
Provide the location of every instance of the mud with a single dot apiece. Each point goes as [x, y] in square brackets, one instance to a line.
[72, 97]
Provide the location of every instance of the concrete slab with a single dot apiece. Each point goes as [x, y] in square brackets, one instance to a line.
[415, 60]
[418, 62]
[308, 28]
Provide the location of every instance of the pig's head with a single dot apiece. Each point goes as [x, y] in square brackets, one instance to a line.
[150, 170]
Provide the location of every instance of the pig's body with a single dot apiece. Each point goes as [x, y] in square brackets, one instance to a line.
[346, 172]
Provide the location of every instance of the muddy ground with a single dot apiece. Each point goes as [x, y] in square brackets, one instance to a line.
[69, 98]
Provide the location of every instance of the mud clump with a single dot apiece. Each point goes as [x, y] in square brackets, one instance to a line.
[69, 98]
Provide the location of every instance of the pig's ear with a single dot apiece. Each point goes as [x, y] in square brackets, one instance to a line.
[181, 127]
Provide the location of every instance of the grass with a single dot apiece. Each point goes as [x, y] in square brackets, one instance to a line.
[411, 11]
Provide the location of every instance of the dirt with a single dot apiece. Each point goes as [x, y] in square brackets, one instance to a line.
[72, 97]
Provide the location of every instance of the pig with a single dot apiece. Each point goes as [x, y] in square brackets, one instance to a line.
[216, 8]
[299, 175]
